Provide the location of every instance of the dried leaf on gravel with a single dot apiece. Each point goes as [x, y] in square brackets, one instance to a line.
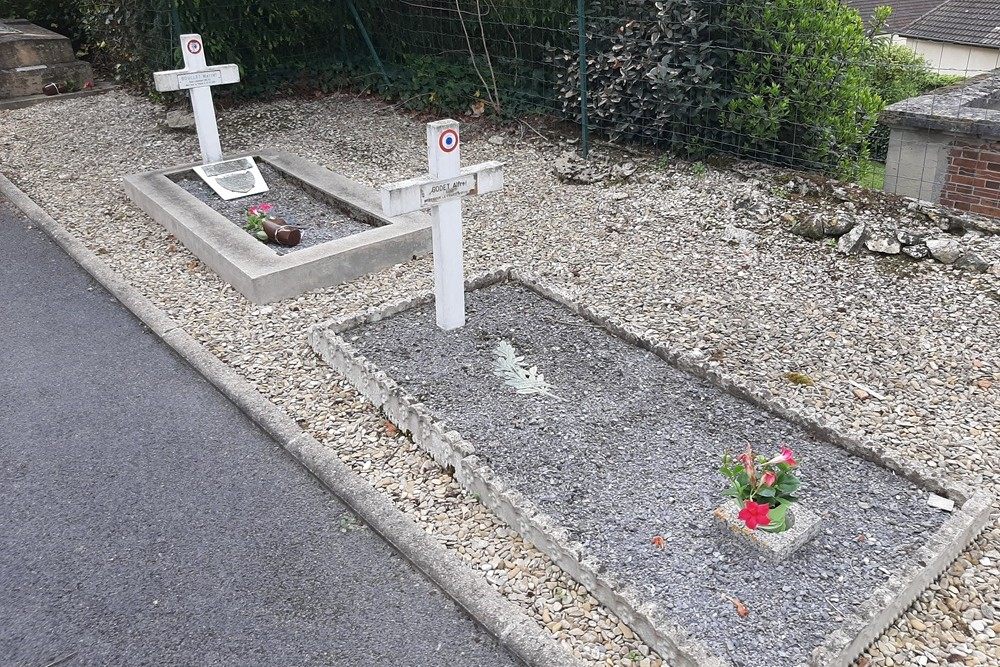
[390, 429]
[799, 378]
[741, 609]
[658, 541]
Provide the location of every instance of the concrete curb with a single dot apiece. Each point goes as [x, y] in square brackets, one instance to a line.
[514, 630]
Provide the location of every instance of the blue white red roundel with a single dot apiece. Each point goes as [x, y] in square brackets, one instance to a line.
[194, 46]
[448, 141]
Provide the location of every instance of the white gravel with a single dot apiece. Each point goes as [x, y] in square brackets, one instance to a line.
[904, 353]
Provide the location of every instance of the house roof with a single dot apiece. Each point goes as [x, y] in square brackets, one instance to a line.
[904, 12]
[972, 22]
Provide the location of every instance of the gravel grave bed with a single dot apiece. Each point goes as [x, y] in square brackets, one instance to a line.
[631, 448]
[902, 354]
[319, 220]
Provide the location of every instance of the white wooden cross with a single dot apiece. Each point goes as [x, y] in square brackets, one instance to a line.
[198, 78]
[442, 191]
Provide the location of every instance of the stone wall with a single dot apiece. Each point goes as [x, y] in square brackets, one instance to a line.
[945, 147]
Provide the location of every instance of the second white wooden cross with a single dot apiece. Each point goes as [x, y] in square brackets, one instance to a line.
[198, 78]
[442, 191]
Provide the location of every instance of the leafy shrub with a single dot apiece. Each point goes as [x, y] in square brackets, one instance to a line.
[429, 83]
[60, 16]
[897, 73]
[654, 71]
[800, 90]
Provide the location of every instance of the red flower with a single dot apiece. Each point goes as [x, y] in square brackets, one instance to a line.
[786, 456]
[768, 478]
[755, 514]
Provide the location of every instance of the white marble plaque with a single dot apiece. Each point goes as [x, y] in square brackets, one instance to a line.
[210, 77]
[232, 179]
[435, 193]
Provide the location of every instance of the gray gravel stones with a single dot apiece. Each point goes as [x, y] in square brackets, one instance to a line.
[649, 249]
[916, 251]
[631, 451]
[319, 220]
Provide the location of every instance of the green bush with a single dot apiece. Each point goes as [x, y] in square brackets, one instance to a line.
[653, 71]
[800, 89]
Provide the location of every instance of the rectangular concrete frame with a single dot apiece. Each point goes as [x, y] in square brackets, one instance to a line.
[255, 270]
[647, 619]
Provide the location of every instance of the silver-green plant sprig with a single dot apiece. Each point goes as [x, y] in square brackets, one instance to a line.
[516, 374]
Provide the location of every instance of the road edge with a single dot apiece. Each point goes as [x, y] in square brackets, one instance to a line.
[512, 628]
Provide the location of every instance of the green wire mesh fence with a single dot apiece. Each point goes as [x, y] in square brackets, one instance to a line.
[791, 82]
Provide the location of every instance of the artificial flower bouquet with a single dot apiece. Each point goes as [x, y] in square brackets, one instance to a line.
[763, 488]
[256, 215]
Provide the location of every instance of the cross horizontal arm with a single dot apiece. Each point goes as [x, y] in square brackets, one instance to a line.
[426, 191]
[184, 79]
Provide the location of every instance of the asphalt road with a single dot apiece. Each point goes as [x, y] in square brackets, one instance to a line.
[145, 520]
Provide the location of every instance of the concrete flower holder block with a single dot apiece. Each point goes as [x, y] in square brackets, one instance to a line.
[803, 525]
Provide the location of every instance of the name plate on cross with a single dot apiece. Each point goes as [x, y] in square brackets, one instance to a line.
[441, 191]
[229, 179]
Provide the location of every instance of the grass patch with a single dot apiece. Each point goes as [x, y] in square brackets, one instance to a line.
[872, 175]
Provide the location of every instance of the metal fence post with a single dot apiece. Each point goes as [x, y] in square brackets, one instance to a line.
[368, 41]
[581, 11]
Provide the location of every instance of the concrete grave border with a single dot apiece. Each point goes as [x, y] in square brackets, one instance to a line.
[255, 270]
[860, 628]
[509, 624]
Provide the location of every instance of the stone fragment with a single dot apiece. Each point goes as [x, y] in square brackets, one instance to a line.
[906, 237]
[884, 244]
[739, 236]
[940, 503]
[970, 261]
[181, 120]
[946, 251]
[918, 251]
[811, 227]
[841, 223]
[851, 242]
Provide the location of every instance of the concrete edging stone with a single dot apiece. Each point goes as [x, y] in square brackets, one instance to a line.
[512, 628]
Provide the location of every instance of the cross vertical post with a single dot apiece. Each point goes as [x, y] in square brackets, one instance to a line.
[193, 50]
[198, 78]
[444, 162]
[441, 191]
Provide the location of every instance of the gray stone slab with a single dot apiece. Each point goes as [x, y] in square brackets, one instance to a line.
[512, 494]
[970, 108]
[256, 271]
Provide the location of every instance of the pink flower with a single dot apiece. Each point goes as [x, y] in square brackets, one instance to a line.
[768, 478]
[260, 209]
[786, 456]
[755, 514]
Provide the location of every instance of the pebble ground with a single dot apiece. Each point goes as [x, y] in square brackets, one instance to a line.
[902, 353]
